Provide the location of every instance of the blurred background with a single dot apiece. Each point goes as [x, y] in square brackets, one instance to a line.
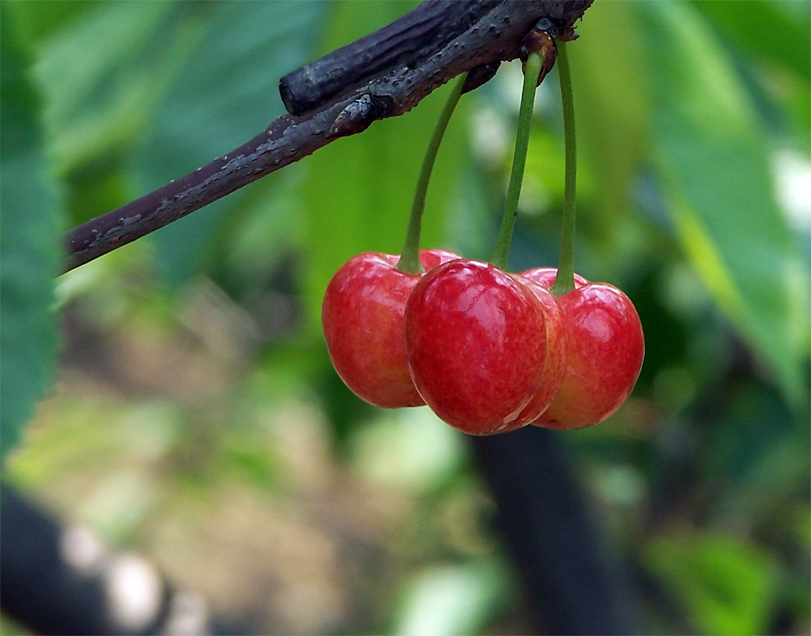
[175, 397]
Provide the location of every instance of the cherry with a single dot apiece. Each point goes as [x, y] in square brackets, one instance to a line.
[362, 317]
[546, 277]
[475, 344]
[554, 368]
[604, 352]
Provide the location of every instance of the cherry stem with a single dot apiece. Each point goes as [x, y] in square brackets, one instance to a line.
[409, 262]
[564, 282]
[532, 72]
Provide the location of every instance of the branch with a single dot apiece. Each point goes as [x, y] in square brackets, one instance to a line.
[572, 577]
[382, 75]
[60, 579]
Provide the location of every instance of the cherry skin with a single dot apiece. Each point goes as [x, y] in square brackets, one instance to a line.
[604, 352]
[362, 317]
[475, 340]
[546, 277]
[554, 368]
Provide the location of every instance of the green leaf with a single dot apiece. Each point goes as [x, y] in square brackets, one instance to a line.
[29, 245]
[448, 600]
[224, 93]
[359, 189]
[724, 585]
[101, 76]
[37, 20]
[773, 30]
[710, 151]
[773, 37]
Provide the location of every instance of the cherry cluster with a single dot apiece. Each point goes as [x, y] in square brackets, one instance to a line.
[486, 350]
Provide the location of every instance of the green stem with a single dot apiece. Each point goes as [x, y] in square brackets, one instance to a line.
[565, 279]
[532, 72]
[410, 257]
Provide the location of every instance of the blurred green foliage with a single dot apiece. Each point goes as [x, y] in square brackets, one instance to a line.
[730, 586]
[29, 255]
[196, 415]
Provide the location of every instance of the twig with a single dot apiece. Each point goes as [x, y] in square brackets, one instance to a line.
[412, 57]
[405, 42]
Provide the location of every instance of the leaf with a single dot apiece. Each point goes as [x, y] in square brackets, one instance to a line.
[29, 245]
[457, 599]
[408, 449]
[774, 36]
[724, 585]
[36, 21]
[101, 76]
[712, 160]
[224, 93]
[359, 189]
[774, 30]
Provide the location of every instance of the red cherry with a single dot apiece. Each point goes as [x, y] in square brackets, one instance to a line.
[554, 368]
[475, 341]
[604, 352]
[546, 276]
[362, 317]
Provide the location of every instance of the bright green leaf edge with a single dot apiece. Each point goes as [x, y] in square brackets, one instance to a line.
[709, 148]
[29, 244]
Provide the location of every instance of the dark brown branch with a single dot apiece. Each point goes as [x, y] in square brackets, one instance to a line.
[414, 58]
[404, 42]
